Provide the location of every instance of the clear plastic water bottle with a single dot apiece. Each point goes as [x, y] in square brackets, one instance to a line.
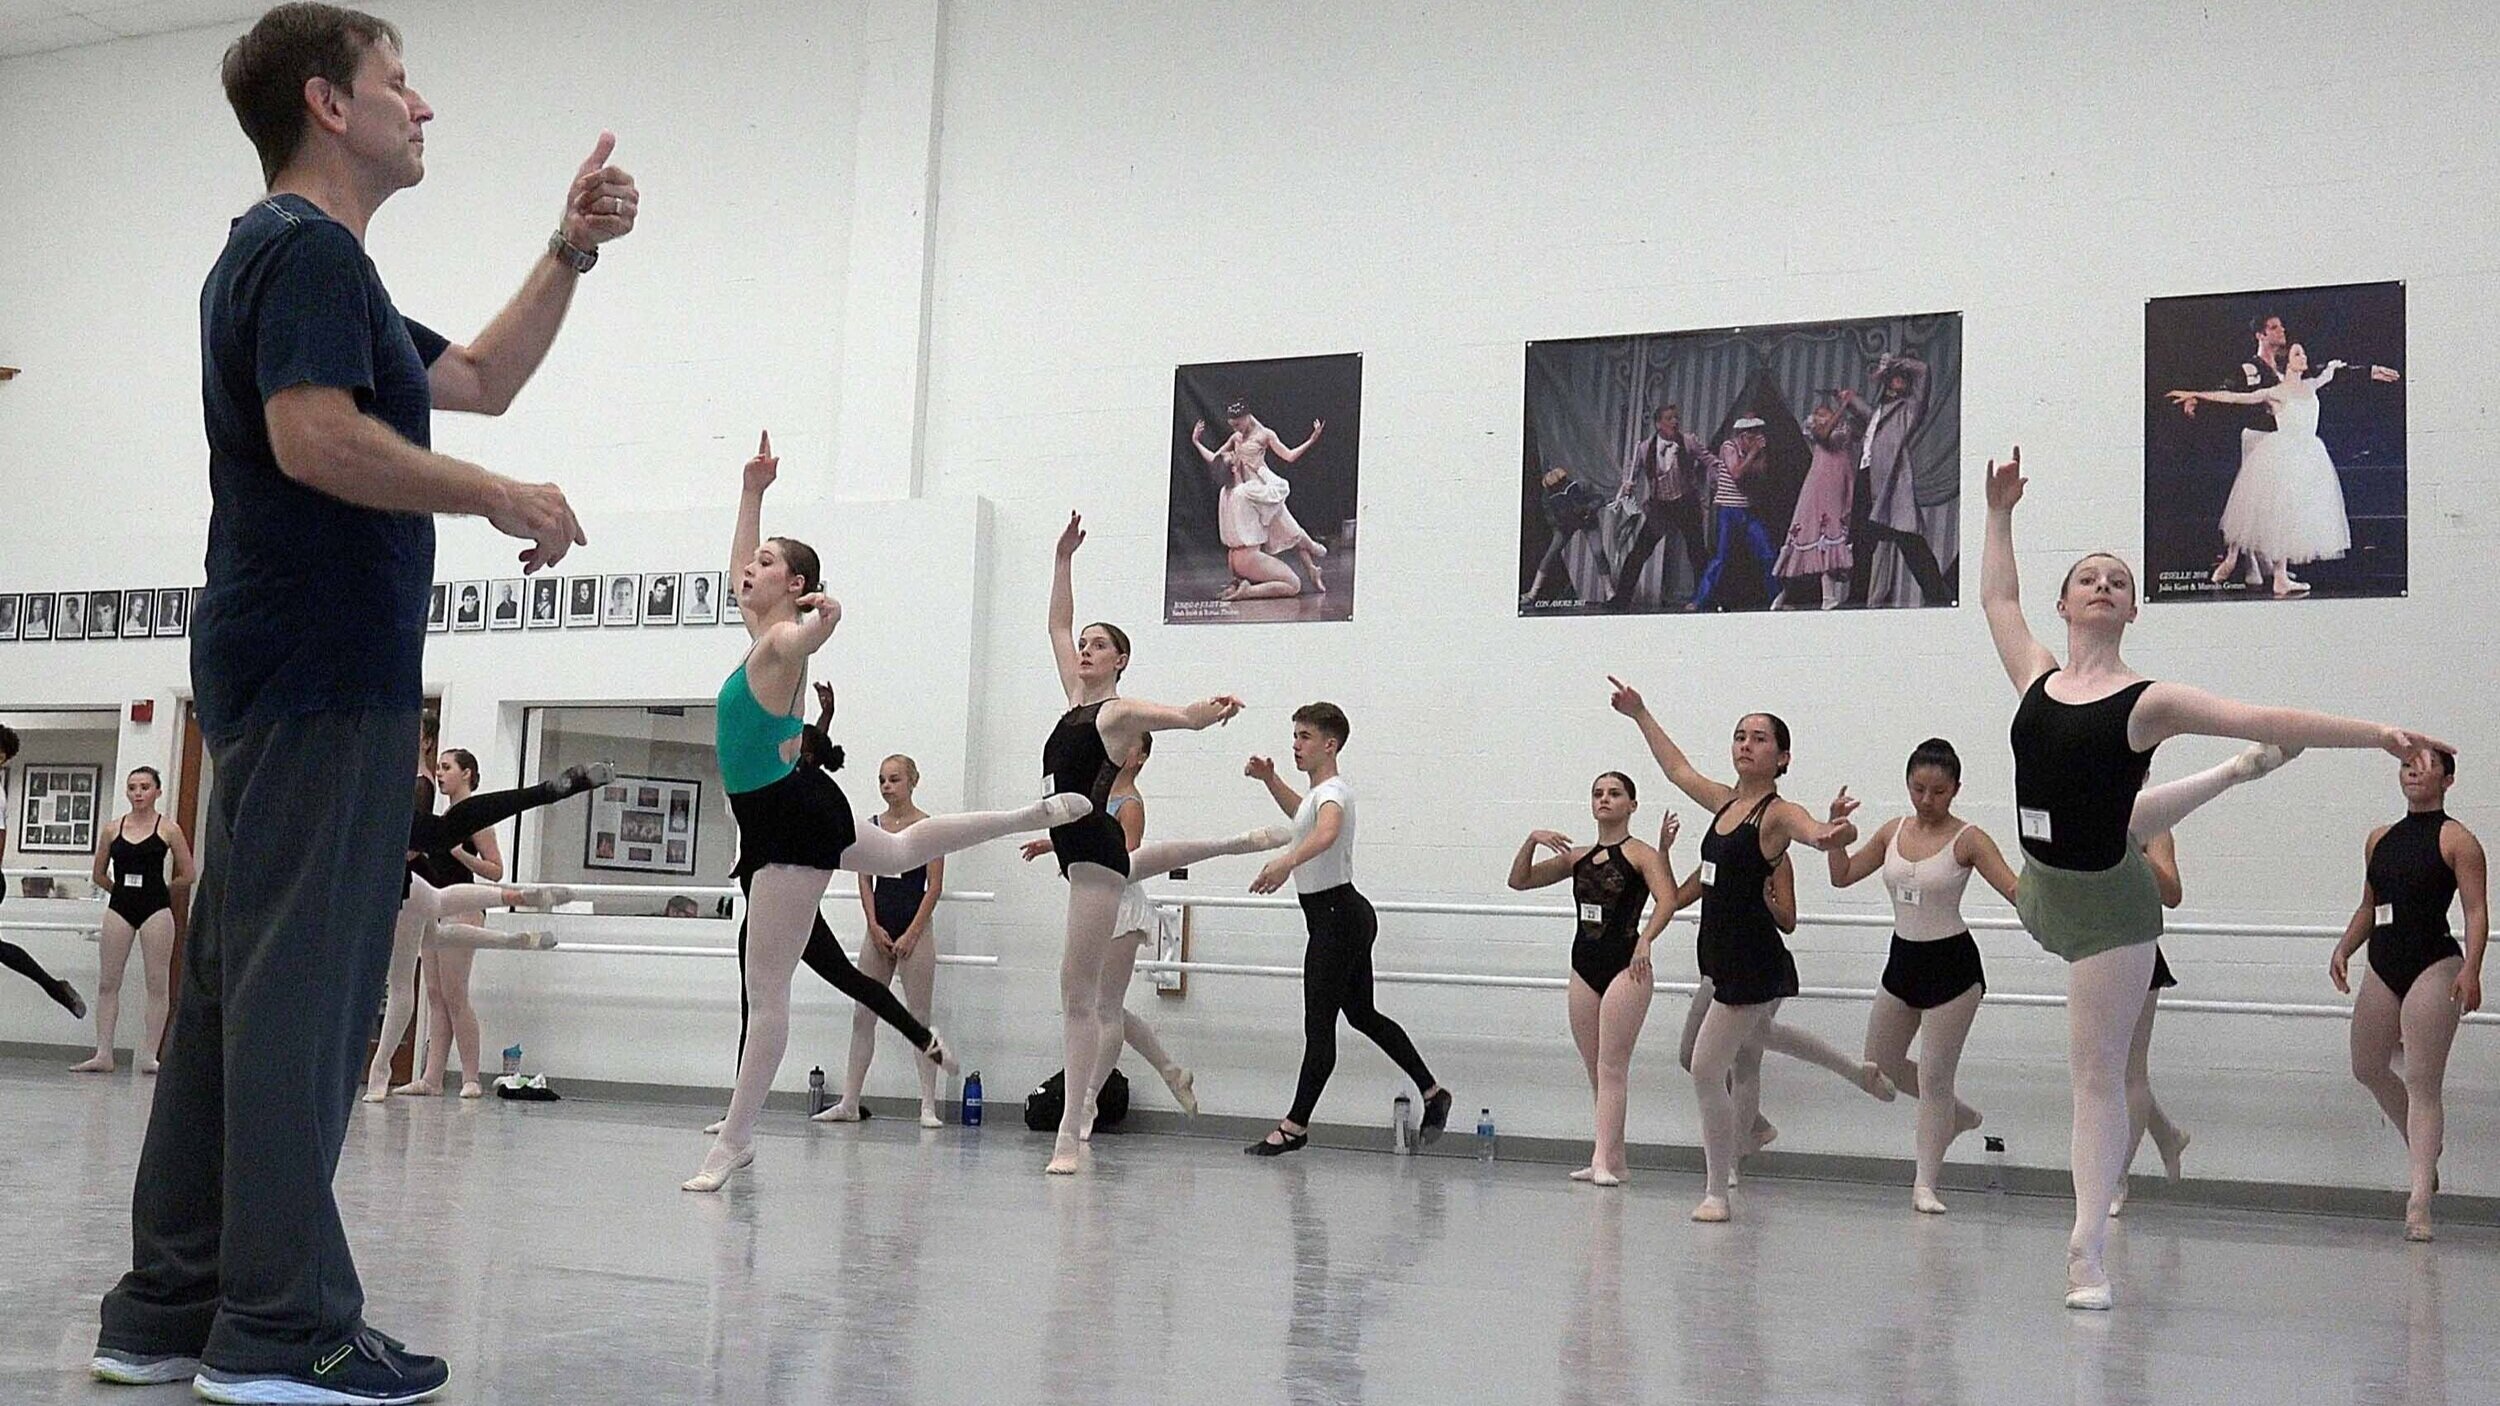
[1486, 1139]
[1402, 1123]
[816, 1091]
[1996, 1164]
[972, 1099]
[512, 1061]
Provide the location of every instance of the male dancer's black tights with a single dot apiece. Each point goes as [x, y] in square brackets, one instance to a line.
[1337, 980]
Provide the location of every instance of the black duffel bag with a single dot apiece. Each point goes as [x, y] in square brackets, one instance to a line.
[1044, 1106]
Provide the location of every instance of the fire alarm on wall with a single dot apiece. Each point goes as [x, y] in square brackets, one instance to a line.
[143, 711]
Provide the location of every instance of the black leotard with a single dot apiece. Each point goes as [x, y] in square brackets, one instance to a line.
[1075, 759]
[1610, 897]
[2072, 765]
[897, 898]
[138, 870]
[1740, 947]
[2412, 881]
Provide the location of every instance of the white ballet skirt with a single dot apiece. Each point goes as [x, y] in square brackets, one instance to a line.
[1137, 912]
[1252, 513]
[2288, 503]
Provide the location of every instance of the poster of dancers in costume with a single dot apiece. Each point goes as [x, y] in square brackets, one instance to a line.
[2274, 444]
[1809, 466]
[1264, 491]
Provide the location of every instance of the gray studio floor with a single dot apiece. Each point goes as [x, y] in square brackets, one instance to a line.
[549, 1253]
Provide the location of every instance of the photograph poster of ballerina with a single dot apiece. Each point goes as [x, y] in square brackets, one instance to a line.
[2274, 444]
[1264, 487]
[1811, 466]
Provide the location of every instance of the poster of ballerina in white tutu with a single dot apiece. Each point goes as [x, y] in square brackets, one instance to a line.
[2274, 444]
[1264, 491]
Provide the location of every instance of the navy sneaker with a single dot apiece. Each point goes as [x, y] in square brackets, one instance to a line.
[125, 1367]
[369, 1369]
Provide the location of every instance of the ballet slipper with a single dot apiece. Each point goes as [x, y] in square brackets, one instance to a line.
[2230, 562]
[2258, 759]
[1713, 1210]
[1923, 1200]
[712, 1129]
[2417, 1223]
[377, 1094]
[1183, 1085]
[1606, 1179]
[472, 1089]
[535, 941]
[1085, 1125]
[1268, 837]
[847, 1111]
[937, 1053]
[1066, 1156]
[1585, 1174]
[541, 897]
[1065, 807]
[100, 1064]
[2118, 1203]
[2087, 1287]
[1764, 1134]
[1966, 1119]
[929, 1117]
[1877, 1084]
[148, 1066]
[418, 1088]
[717, 1168]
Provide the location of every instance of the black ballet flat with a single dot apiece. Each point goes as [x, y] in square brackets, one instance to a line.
[1436, 1116]
[1294, 1142]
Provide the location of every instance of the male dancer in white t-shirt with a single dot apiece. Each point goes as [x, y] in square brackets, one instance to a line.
[1337, 963]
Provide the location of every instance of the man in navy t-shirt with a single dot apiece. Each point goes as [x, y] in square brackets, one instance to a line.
[305, 655]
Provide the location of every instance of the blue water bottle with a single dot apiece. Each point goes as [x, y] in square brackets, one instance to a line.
[972, 1099]
[1485, 1138]
[512, 1061]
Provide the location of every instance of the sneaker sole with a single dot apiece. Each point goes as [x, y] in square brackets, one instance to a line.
[240, 1389]
[152, 1372]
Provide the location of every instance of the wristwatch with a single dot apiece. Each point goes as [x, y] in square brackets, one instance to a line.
[578, 260]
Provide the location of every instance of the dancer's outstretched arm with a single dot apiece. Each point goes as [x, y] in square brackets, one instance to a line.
[1277, 447]
[2000, 580]
[1978, 849]
[1847, 868]
[1705, 792]
[1063, 607]
[1529, 872]
[748, 531]
[2169, 710]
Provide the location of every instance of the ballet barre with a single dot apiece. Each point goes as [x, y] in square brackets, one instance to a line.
[1565, 913]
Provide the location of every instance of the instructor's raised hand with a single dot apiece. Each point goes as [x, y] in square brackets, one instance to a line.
[603, 200]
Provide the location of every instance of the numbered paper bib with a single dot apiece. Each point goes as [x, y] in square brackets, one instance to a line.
[1906, 895]
[1592, 913]
[1709, 873]
[2035, 824]
[2384, 914]
[134, 881]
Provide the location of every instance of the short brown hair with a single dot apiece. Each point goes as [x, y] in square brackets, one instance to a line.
[265, 71]
[1327, 718]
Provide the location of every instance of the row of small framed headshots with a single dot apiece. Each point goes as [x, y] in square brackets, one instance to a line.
[619, 601]
[98, 615]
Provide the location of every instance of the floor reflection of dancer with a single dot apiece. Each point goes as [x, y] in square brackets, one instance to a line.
[1612, 975]
[1251, 515]
[1132, 931]
[1818, 532]
[2287, 505]
[1093, 851]
[1932, 982]
[1739, 947]
[2085, 893]
[141, 910]
[794, 824]
[897, 911]
[12, 956]
[2418, 984]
